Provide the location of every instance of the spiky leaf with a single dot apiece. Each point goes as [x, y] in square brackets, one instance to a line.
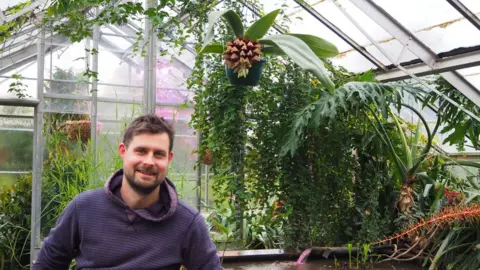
[302, 55]
[259, 28]
[233, 20]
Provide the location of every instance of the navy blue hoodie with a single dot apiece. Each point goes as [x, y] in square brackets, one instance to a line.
[101, 232]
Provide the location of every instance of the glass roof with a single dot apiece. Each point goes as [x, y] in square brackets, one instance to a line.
[436, 24]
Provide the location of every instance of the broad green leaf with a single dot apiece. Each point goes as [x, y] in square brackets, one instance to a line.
[258, 29]
[272, 50]
[319, 46]
[213, 48]
[301, 54]
[232, 19]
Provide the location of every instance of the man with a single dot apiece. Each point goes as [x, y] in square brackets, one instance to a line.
[136, 221]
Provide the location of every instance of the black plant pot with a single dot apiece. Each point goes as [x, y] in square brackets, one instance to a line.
[253, 77]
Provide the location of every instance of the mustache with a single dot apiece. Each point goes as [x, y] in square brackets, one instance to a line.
[150, 170]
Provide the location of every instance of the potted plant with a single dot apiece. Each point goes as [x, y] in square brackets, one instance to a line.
[243, 56]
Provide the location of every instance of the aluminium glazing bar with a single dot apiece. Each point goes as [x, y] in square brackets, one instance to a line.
[94, 91]
[468, 14]
[35, 241]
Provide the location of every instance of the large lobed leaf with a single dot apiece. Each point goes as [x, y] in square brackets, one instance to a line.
[258, 29]
[351, 97]
[233, 20]
[302, 55]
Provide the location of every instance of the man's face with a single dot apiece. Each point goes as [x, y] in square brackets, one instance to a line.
[145, 161]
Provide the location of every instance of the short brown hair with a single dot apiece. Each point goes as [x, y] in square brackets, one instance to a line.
[149, 124]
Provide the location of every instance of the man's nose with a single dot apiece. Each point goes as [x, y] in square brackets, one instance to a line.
[148, 160]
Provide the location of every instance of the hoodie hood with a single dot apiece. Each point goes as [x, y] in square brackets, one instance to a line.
[115, 182]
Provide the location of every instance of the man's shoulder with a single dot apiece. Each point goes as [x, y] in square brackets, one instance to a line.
[90, 196]
[186, 209]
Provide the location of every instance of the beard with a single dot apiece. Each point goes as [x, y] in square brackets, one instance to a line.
[143, 188]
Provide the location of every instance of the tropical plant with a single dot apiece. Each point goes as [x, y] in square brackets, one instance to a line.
[249, 45]
[374, 101]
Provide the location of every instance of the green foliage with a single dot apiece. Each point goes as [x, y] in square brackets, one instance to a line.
[18, 87]
[461, 125]
[16, 150]
[15, 220]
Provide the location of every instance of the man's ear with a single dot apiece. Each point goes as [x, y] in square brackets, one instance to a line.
[122, 148]
[170, 156]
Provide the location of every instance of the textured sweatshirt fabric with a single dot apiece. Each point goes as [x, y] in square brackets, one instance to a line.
[101, 232]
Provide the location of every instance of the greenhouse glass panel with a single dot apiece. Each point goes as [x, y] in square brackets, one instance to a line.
[330, 11]
[435, 23]
[394, 49]
[21, 41]
[472, 5]
[182, 168]
[120, 68]
[65, 59]
[353, 61]
[71, 106]
[26, 87]
[16, 140]
[130, 94]
[115, 111]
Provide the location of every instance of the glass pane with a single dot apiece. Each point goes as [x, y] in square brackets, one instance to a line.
[182, 168]
[57, 105]
[435, 23]
[133, 94]
[472, 5]
[17, 111]
[22, 41]
[304, 23]
[118, 111]
[353, 61]
[16, 140]
[394, 49]
[334, 15]
[65, 58]
[120, 67]
[25, 87]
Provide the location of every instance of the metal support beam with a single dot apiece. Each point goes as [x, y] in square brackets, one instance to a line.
[468, 14]
[408, 39]
[26, 9]
[94, 91]
[150, 82]
[341, 34]
[445, 64]
[17, 56]
[35, 241]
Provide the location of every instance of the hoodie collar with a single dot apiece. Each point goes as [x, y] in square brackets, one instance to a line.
[115, 181]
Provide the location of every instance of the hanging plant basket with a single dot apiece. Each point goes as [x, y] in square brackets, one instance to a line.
[208, 157]
[253, 77]
[76, 130]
